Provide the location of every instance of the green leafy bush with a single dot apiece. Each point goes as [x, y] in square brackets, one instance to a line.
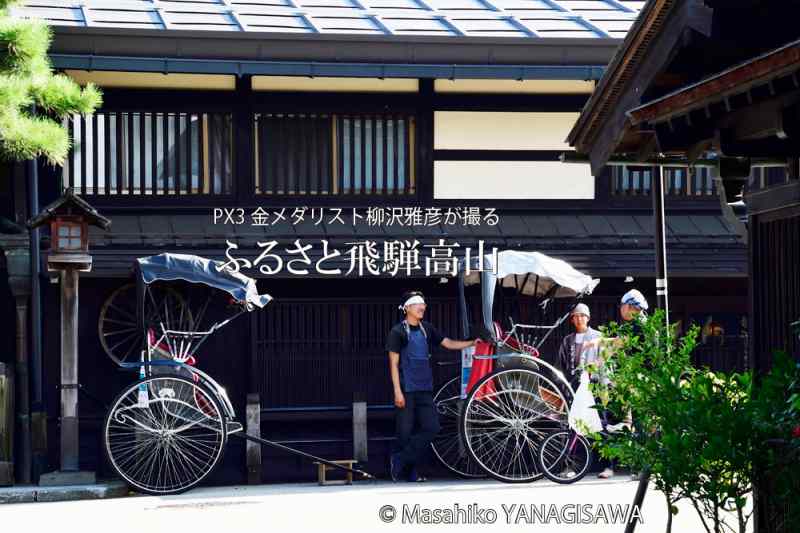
[700, 433]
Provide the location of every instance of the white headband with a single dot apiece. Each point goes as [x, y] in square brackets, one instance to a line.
[416, 299]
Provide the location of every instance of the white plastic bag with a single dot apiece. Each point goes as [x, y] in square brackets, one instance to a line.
[583, 410]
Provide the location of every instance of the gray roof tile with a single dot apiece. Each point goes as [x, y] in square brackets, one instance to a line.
[492, 18]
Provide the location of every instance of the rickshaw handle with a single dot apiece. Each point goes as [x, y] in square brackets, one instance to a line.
[265, 442]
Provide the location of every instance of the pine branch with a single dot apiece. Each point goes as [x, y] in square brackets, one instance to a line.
[26, 78]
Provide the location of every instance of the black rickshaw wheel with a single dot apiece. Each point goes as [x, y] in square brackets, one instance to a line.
[120, 334]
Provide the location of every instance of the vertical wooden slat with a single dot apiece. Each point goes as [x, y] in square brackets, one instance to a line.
[212, 151]
[336, 172]
[142, 156]
[281, 163]
[388, 185]
[411, 126]
[119, 150]
[107, 151]
[225, 157]
[176, 149]
[301, 183]
[165, 167]
[131, 139]
[314, 154]
[362, 186]
[353, 161]
[324, 173]
[291, 151]
[95, 157]
[204, 149]
[83, 154]
[257, 161]
[271, 143]
[189, 176]
[153, 152]
[406, 156]
[374, 153]
[396, 155]
[274, 150]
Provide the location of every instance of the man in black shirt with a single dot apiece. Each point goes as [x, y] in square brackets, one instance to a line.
[409, 344]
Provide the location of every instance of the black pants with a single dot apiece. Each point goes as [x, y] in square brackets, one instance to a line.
[417, 424]
[608, 420]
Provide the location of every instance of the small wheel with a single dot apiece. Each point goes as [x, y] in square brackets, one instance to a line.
[448, 446]
[120, 333]
[507, 415]
[159, 440]
[565, 457]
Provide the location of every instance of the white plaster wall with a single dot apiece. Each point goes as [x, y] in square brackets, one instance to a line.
[489, 130]
[512, 180]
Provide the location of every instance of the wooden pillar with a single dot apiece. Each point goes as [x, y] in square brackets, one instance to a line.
[360, 452]
[69, 370]
[17, 261]
[6, 425]
[23, 468]
[253, 450]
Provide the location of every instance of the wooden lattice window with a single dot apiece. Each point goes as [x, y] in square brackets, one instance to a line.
[334, 154]
[150, 153]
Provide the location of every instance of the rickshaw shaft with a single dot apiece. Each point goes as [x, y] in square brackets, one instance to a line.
[265, 442]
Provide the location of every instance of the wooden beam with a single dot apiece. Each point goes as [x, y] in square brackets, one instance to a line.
[610, 129]
[731, 81]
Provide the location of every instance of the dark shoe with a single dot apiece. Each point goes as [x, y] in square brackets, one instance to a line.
[395, 467]
[415, 476]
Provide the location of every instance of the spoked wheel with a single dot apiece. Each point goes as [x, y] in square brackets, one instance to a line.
[565, 457]
[507, 415]
[158, 439]
[448, 446]
[120, 334]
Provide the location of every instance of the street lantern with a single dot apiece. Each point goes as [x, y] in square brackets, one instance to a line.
[69, 218]
[69, 234]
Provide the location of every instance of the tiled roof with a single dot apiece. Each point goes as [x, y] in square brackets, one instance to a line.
[473, 18]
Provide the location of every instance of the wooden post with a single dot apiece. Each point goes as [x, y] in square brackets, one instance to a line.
[69, 370]
[6, 425]
[253, 452]
[360, 432]
[23, 468]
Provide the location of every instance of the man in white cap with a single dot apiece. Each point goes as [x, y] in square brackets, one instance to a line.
[632, 307]
[574, 352]
[410, 344]
[632, 304]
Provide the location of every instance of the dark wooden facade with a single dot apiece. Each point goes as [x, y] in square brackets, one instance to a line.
[319, 346]
[679, 88]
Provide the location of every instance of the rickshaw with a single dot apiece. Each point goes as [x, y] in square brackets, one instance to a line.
[166, 432]
[508, 399]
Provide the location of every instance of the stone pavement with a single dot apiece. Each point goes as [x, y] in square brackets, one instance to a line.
[369, 506]
[57, 493]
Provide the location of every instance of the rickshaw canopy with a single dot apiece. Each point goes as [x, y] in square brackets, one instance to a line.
[196, 269]
[530, 273]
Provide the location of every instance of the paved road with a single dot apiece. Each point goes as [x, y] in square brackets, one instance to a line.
[453, 505]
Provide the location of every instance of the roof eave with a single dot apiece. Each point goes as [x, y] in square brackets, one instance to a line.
[397, 49]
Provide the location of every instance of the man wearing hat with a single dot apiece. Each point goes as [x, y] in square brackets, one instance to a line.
[574, 352]
[632, 305]
[632, 308]
[410, 343]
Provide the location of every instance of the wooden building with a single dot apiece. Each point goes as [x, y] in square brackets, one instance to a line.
[680, 88]
[354, 104]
